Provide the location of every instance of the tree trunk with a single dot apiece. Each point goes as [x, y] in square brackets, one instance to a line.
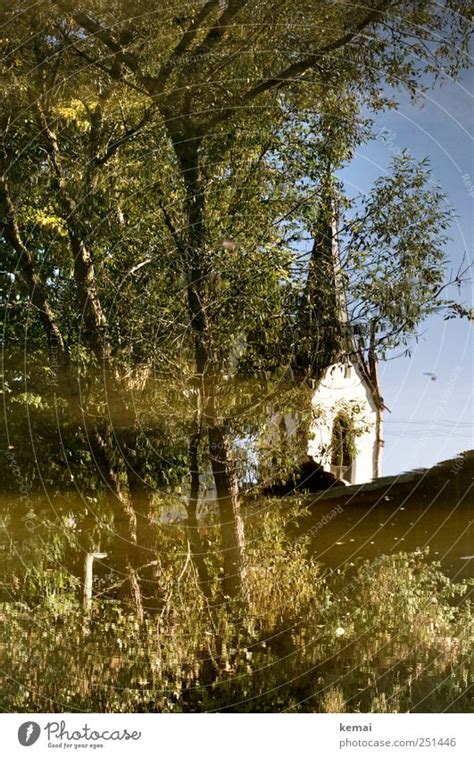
[374, 378]
[96, 338]
[208, 371]
[197, 549]
[144, 550]
[230, 516]
[125, 524]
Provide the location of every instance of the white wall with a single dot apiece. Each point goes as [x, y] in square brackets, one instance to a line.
[343, 388]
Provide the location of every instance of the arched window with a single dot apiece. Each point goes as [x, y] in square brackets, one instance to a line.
[341, 453]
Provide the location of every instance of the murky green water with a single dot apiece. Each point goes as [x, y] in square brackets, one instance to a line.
[359, 531]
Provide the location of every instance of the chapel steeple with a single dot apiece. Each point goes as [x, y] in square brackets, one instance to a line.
[325, 332]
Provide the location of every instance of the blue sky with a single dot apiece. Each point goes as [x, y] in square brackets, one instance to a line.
[430, 420]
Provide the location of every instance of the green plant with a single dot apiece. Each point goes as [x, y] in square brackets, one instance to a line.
[392, 634]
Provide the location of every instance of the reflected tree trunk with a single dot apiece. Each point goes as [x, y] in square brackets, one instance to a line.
[125, 525]
[197, 549]
[230, 515]
[208, 368]
[143, 552]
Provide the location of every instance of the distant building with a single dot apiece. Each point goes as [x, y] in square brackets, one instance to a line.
[345, 431]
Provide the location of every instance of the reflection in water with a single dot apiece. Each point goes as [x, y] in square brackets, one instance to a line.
[365, 532]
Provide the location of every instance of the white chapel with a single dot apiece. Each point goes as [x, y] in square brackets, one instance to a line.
[345, 434]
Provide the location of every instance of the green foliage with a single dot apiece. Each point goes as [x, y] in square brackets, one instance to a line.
[147, 158]
[395, 253]
[388, 635]
[92, 154]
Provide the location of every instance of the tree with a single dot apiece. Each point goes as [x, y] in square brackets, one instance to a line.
[210, 96]
[394, 254]
[60, 217]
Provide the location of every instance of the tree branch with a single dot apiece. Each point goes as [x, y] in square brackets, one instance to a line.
[296, 69]
[300, 67]
[29, 277]
[84, 271]
[86, 22]
[186, 41]
[217, 32]
[112, 147]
